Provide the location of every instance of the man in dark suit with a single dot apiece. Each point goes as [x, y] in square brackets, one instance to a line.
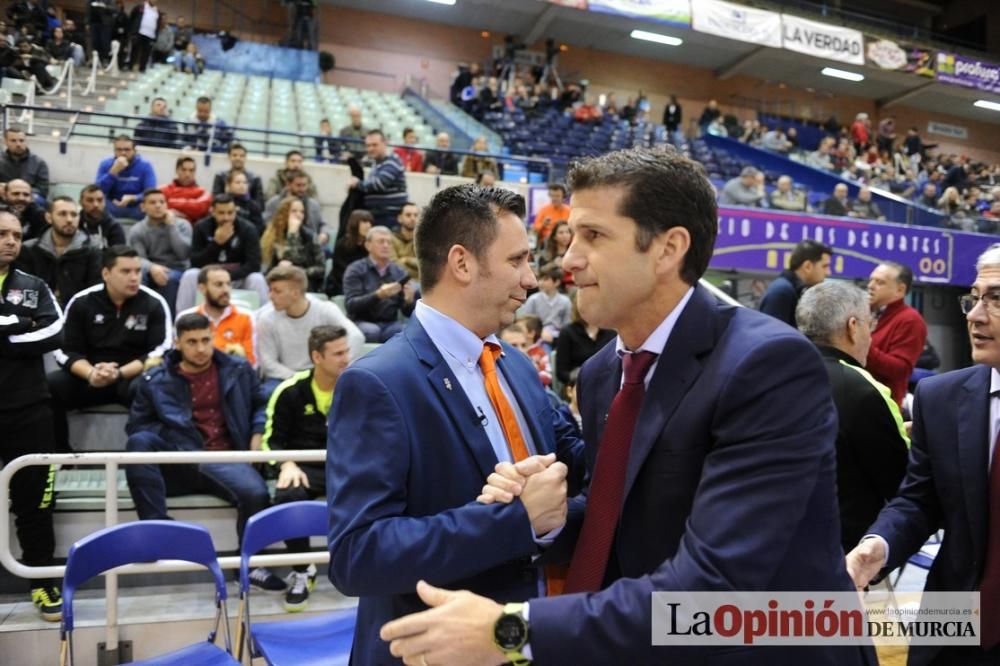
[808, 265]
[872, 444]
[718, 477]
[417, 425]
[952, 481]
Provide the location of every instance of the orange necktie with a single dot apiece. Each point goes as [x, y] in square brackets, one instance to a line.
[555, 575]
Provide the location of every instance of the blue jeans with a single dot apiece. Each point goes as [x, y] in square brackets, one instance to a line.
[150, 485]
[169, 290]
[380, 332]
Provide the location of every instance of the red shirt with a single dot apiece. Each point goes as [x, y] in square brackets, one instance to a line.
[413, 159]
[206, 409]
[897, 341]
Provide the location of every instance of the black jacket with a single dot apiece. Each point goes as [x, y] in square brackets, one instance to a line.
[240, 254]
[574, 347]
[871, 450]
[782, 296]
[104, 232]
[33, 221]
[31, 168]
[158, 132]
[77, 268]
[293, 419]
[30, 325]
[256, 191]
[98, 331]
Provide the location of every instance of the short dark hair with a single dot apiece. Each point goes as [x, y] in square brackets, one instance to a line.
[124, 137]
[93, 187]
[222, 198]
[151, 191]
[62, 197]
[183, 159]
[375, 132]
[236, 146]
[113, 253]
[663, 190]
[295, 173]
[532, 324]
[324, 120]
[320, 335]
[157, 99]
[905, 276]
[191, 321]
[554, 273]
[407, 130]
[558, 186]
[14, 129]
[205, 270]
[463, 215]
[808, 250]
[293, 152]
[203, 100]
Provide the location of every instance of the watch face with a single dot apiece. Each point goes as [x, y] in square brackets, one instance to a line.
[510, 632]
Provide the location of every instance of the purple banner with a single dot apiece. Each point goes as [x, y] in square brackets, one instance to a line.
[968, 72]
[762, 240]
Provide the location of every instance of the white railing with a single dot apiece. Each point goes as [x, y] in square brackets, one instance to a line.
[110, 462]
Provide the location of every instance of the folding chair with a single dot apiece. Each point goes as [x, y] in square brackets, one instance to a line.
[325, 639]
[148, 541]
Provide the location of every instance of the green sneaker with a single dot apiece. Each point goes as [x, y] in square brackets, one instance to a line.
[48, 601]
[299, 587]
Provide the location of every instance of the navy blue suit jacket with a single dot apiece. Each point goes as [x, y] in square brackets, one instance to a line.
[730, 485]
[406, 459]
[946, 485]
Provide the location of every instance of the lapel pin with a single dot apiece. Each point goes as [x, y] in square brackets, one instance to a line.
[447, 383]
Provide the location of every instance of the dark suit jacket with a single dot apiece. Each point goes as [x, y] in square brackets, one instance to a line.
[730, 485]
[871, 451]
[406, 459]
[782, 296]
[945, 485]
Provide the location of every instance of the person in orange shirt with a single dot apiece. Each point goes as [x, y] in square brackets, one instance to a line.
[232, 329]
[552, 213]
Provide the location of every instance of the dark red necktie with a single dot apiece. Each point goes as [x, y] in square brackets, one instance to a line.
[989, 586]
[604, 503]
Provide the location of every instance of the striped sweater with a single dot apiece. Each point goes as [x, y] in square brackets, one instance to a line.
[385, 186]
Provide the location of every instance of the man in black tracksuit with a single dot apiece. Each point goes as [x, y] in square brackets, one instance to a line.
[296, 419]
[110, 331]
[30, 325]
[872, 444]
[63, 255]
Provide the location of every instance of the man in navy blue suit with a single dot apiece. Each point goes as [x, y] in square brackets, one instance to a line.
[952, 481]
[710, 442]
[417, 425]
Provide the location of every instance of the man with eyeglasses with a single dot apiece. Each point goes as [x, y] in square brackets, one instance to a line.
[900, 332]
[952, 481]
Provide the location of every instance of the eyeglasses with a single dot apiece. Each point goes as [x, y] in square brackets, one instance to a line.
[991, 300]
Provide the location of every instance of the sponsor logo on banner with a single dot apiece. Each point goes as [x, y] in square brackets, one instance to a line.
[676, 12]
[761, 240]
[822, 40]
[738, 22]
[944, 129]
[968, 72]
[887, 54]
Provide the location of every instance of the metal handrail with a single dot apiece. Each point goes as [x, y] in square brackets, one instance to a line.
[543, 165]
[111, 461]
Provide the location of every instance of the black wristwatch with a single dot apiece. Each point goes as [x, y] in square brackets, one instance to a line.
[510, 634]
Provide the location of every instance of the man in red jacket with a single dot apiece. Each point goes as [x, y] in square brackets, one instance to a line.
[900, 331]
[184, 195]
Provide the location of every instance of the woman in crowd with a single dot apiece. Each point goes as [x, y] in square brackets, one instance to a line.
[287, 243]
[555, 248]
[238, 185]
[577, 342]
[473, 165]
[350, 248]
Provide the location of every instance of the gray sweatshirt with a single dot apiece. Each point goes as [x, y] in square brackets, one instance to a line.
[165, 244]
[281, 340]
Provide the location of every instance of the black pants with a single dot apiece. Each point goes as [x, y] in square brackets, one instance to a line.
[100, 39]
[142, 49]
[317, 488]
[29, 430]
[70, 392]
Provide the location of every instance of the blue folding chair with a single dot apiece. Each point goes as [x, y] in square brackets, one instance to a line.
[148, 541]
[325, 639]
